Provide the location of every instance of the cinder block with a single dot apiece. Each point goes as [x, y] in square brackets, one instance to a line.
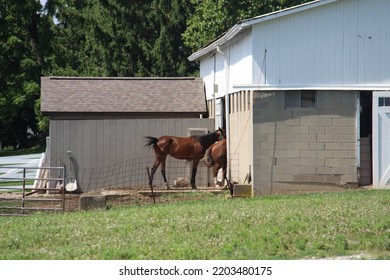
[341, 122]
[308, 170]
[300, 129]
[325, 137]
[331, 146]
[325, 170]
[300, 145]
[325, 121]
[292, 122]
[315, 161]
[340, 170]
[307, 137]
[242, 190]
[324, 154]
[332, 162]
[351, 146]
[281, 128]
[87, 202]
[316, 129]
[308, 153]
[316, 145]
[292, 153]
[310, 120]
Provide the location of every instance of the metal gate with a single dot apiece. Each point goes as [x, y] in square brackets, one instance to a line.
[381, 139]
[19, 197]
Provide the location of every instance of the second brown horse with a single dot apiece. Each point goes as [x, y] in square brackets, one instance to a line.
[190, 148]
[216, 157]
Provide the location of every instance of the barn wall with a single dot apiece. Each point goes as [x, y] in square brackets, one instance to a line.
[213, 72]
[241, 145]
[341, 43]
[240, 60]
[212, 67]
[304, 150]
[111, 153]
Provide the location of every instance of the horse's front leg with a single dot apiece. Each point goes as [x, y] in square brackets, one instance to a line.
[193, 174]
[224, 170]
[216, 168]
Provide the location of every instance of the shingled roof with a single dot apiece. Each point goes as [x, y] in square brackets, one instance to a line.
[122, 95]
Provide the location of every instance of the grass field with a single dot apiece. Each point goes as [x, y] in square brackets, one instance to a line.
[214, 227]
[18, 152]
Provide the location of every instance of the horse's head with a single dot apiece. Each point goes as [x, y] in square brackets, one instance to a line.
[221, 133]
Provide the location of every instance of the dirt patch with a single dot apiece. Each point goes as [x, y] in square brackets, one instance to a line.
[112, 197]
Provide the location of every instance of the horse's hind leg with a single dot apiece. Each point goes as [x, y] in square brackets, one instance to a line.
[163, 173]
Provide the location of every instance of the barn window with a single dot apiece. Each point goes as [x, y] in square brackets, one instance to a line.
[384, 102]
[300, 99]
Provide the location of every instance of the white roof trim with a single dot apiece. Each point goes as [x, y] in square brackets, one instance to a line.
[247, 23]
[351, 87]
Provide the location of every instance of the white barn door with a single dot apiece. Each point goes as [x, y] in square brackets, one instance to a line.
[381, 139]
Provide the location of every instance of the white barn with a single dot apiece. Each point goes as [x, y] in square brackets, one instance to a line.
[304, 94]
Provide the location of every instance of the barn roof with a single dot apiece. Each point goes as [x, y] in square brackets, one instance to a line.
[122, 95]
[248, 23]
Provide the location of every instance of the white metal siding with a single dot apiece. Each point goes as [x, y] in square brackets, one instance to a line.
[207, 73]
[240, 67]
[343, 43]
[240, 60]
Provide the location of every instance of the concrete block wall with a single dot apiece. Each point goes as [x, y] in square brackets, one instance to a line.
[304, 150]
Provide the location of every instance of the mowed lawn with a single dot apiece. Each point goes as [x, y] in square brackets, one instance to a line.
[214, 227]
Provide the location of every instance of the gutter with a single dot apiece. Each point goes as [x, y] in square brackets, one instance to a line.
[227, 108]
[215, 45]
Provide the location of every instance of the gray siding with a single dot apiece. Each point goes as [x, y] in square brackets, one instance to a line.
[111, 152]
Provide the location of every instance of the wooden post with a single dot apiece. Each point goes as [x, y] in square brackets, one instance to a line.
[24, 189]
[151, 185]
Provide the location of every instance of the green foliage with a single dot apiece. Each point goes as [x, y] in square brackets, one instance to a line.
[212, 18]
[273, 227]
[24, 34]
[118, 38]
[101, 38]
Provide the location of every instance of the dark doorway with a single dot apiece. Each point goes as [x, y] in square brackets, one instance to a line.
[365, 170]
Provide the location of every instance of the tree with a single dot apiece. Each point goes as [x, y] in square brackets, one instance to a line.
[21, 64]
[121, 38]
[212, 18]
[101, 38]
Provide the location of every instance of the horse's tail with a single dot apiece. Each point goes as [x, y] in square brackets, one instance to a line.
[208, 161]
[151, 142]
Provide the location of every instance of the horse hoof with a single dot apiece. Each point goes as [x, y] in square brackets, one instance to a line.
[194, 188]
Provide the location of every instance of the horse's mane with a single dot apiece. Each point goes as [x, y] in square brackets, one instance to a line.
[207, 140]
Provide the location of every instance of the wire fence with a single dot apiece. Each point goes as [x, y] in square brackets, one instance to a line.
[133, 174]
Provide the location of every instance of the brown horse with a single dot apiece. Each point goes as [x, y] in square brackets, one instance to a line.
[187, 148]
[215, 157]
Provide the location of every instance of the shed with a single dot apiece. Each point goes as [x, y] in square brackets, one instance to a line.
[305, 96]
[102, 123]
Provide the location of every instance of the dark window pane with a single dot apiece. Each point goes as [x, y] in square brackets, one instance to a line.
[308, 99]
[384, 101]
[291, 99]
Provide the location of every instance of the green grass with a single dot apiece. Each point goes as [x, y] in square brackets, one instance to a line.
[18, 152]
[15, 183]
[214, 227]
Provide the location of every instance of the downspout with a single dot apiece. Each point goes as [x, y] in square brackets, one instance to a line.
[227, 109]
